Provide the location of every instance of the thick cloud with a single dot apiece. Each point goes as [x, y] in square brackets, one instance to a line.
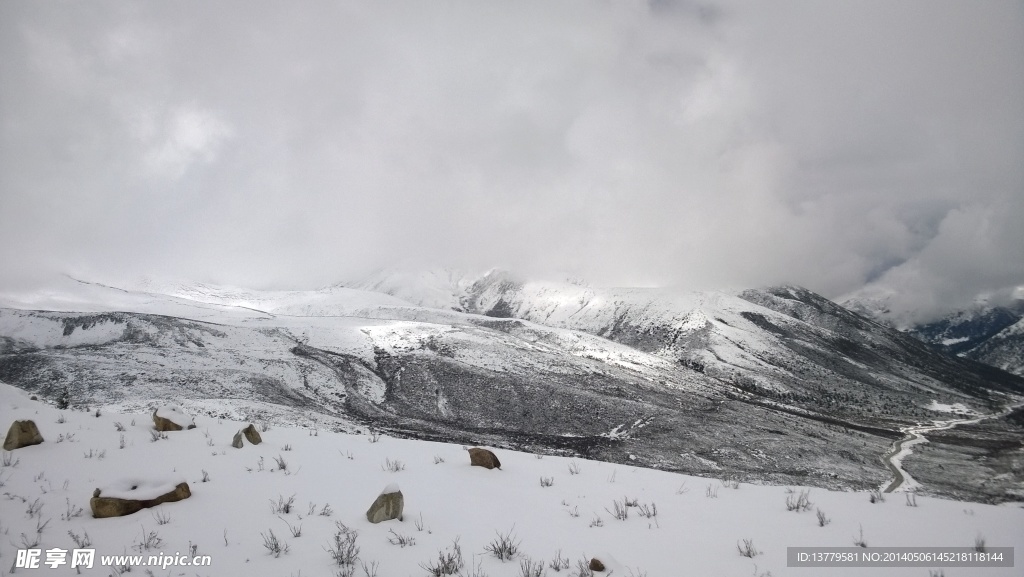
[287, 144]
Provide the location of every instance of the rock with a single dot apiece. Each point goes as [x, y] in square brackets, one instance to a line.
[387, 506]
[249, 434]
[22, 434]
[483, 458]
[252, 435]
[119, 506]
[172, 419]
[596, 564]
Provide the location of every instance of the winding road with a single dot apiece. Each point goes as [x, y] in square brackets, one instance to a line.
[915, 435]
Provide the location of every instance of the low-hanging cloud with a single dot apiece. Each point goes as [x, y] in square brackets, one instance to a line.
[694, 144]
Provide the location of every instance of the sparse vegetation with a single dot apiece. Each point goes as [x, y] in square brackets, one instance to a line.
[559, 562]
[161, 517]
[859, 539]
[273, 545]
[150, 540]
[876, 496]
[822, 519]
[619, 510]
[798, 502]
[393, 466]
[449, 561]
[530, 568]
[282, 465]
[574, 468]
[35, 509]
[343, 548]
[747, 549]
[295, 530]
[282, 505]
[400, 540]
[504, 546]
[547, 481]
[648, 511]
[81, 541]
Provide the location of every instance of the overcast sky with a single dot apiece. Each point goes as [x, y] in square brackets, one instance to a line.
[295, 144]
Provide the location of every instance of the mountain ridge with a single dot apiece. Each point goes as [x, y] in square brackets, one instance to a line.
[762, 384]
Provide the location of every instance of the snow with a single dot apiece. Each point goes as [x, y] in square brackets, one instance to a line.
[228, 515]
[391, 488]
[950, 342]
[948, 408]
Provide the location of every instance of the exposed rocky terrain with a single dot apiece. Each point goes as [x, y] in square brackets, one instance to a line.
[775, 385]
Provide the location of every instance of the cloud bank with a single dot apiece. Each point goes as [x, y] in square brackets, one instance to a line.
[831, 145]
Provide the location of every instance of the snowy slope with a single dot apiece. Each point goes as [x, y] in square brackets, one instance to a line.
[765, 385]
[333, 477]
[983, 332]
[1004, 350]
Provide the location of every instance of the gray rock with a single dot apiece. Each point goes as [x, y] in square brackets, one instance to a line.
[22, 434]
[252, 435]
[389, 505]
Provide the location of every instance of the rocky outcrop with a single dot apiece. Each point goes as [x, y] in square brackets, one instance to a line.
[483, 458]
[596, 564]
[120, 505]
[388, 505]
[22, 434]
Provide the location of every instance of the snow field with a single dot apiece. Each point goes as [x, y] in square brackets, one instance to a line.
[228, 515]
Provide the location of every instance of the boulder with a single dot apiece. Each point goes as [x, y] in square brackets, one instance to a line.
[596, 564]
[387, 506]
[236, 442]
[137, 497]
[172, 419]
[483, 458]
[252, 435]
[22, 434]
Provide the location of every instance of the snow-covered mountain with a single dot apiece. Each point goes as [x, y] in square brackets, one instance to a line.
[776, 385]
[985, 332]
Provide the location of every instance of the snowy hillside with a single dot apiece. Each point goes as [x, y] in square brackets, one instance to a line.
[771, 385]
[1004, 349]
[302, 485]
